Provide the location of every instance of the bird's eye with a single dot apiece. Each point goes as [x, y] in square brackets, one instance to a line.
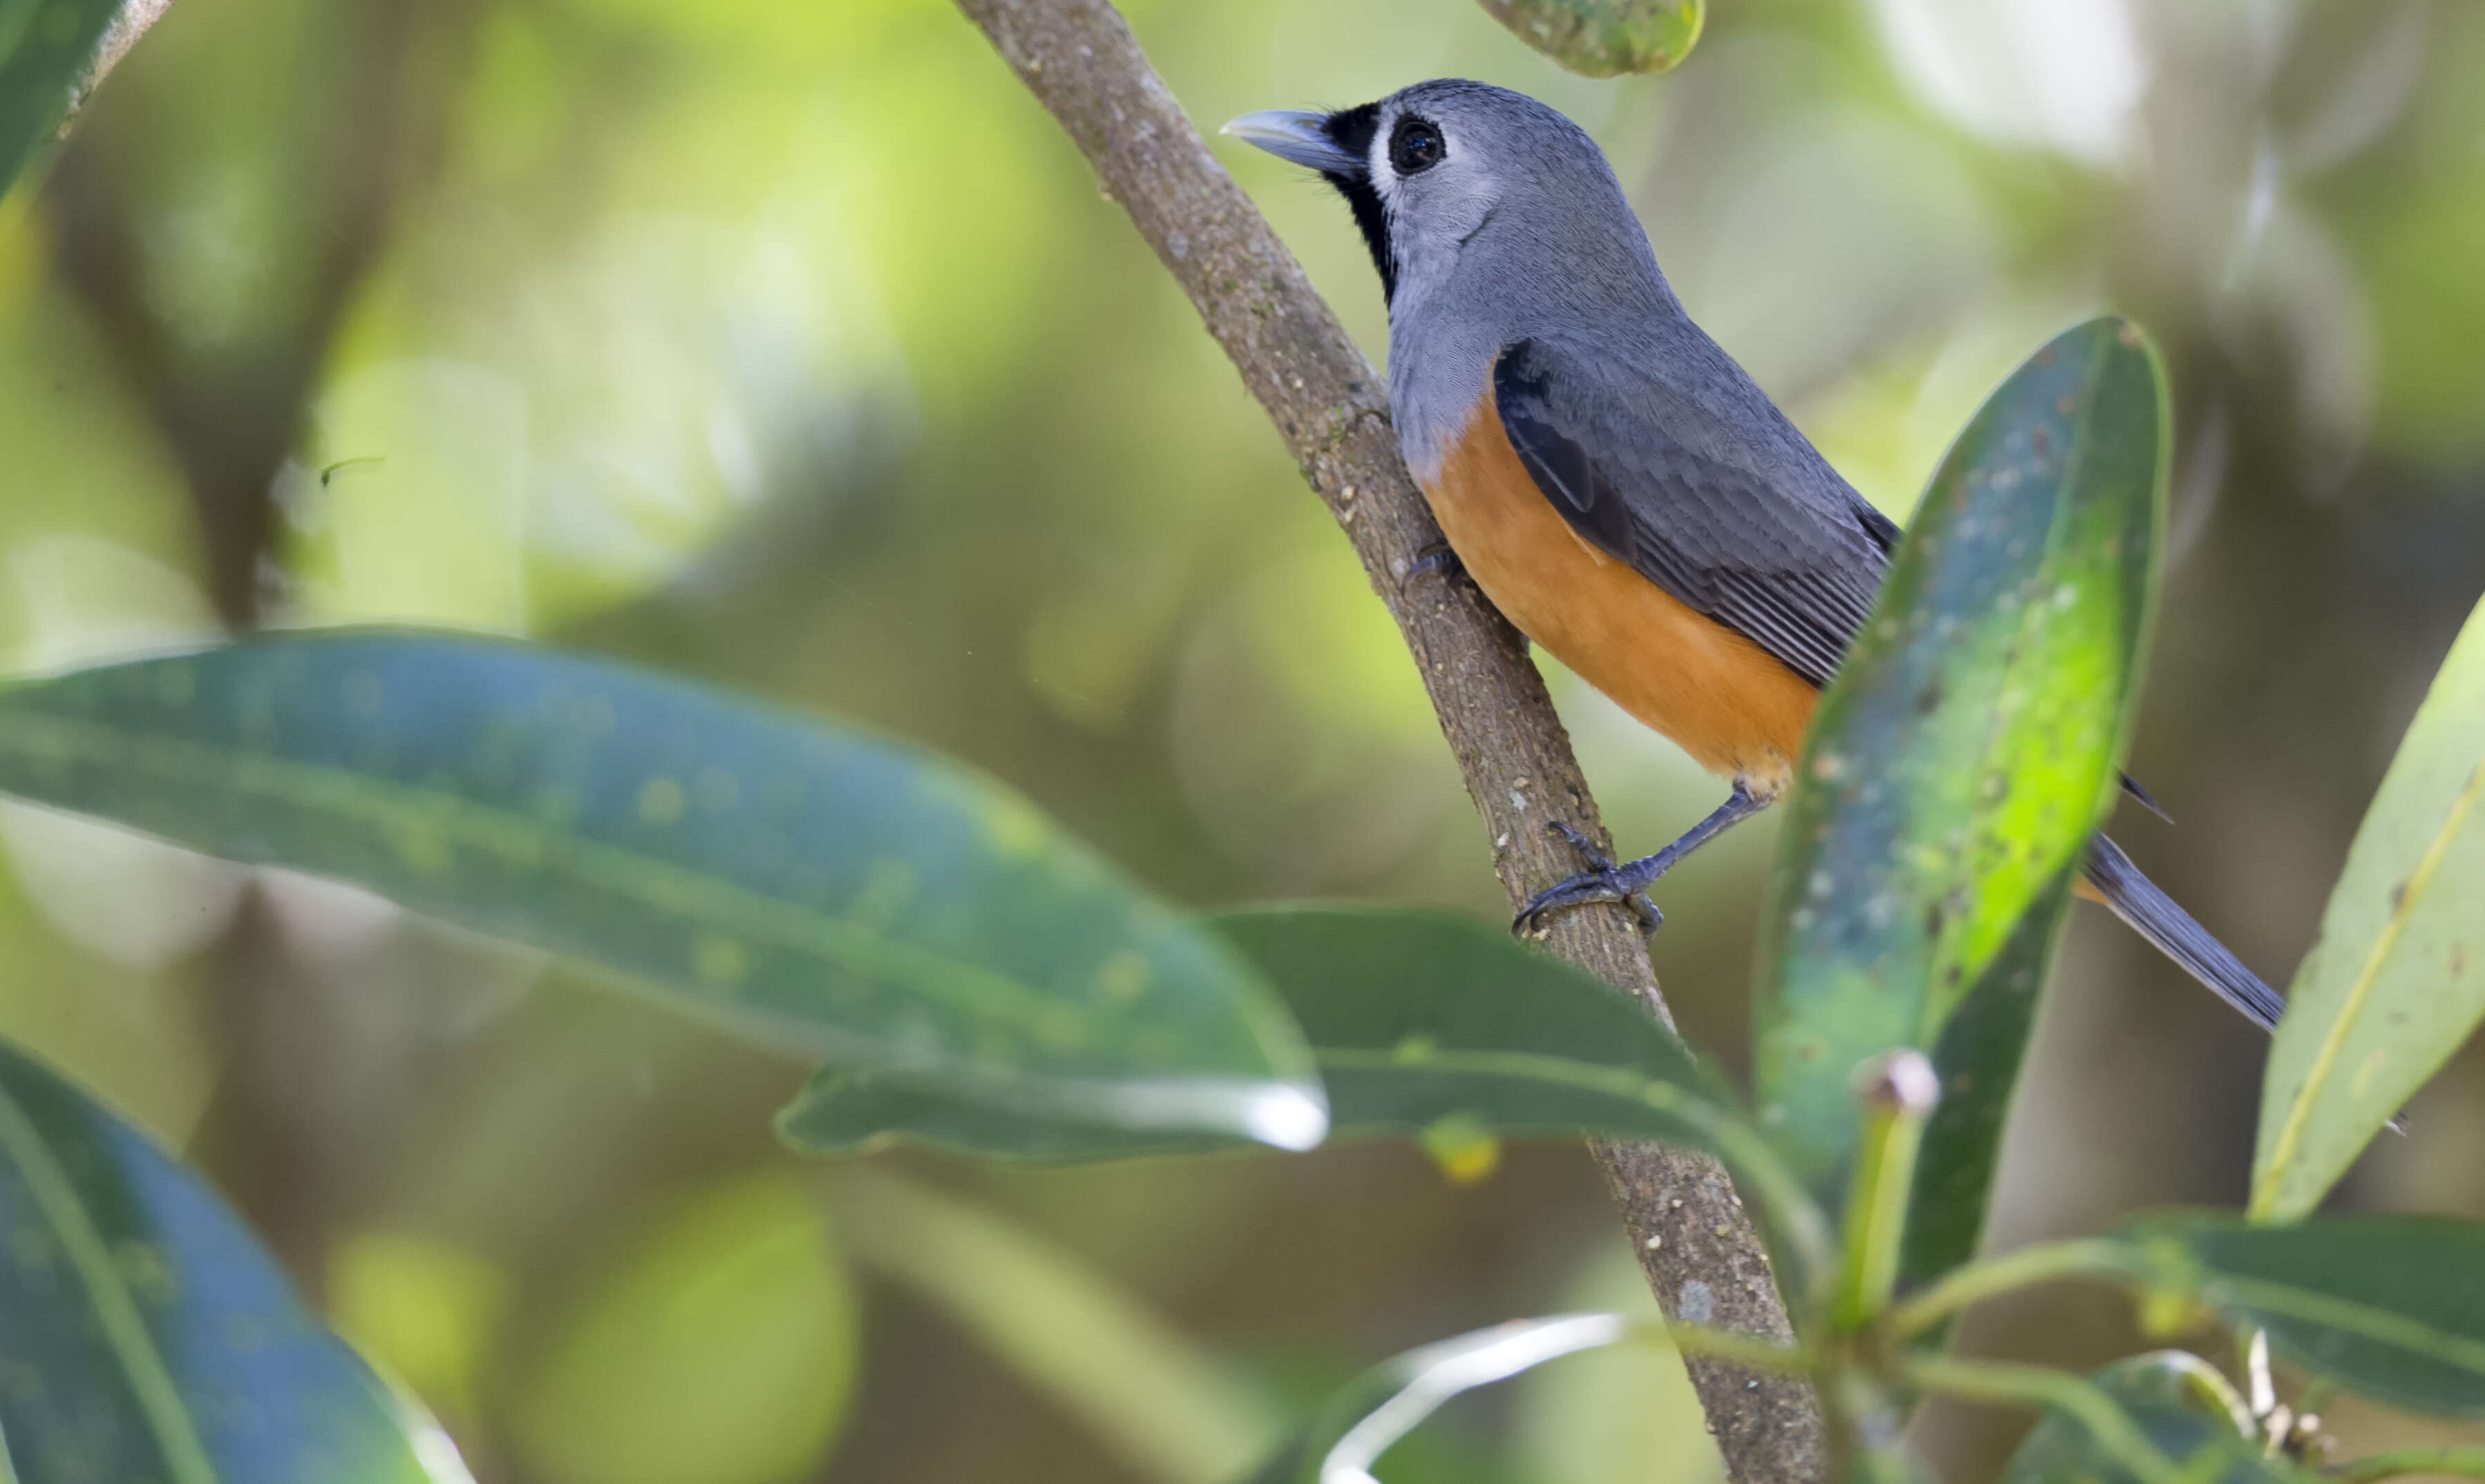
[1415, 145]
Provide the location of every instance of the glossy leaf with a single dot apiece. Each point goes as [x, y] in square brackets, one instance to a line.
[144, 1336]
[1966, 751]
[2396, 981]
[1385, 1404]
[2179, 1403]
[1417, 1019]
[1601, 37]
[2388, 1306]
[48, 56]
[1978, 1059]
[838, 896]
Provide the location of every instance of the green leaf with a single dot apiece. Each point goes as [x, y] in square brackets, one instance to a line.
[1966, 751]
[2389, 1306]
[1600, 37]
[839, 896]
[2396, 981]
[144, 1336]
[48, 56]
[1417, 1019]
[1978, 1061]
[1387, 1403]
[2179, 1403]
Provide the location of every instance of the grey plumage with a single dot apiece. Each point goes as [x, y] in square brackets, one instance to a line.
[1514, 266]
[1671, 457]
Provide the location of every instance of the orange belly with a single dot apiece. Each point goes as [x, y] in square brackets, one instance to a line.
[1722, 698]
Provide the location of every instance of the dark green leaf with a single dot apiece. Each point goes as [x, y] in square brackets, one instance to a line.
[48, 53]
[1383, 1405]
[1966, 750]
[1600, 37]
[2395, 983]
[840, 896]
[1978, 1059]
[1417, 1019]
[2390, 1305]
[2179, 1403]
[145, 1336]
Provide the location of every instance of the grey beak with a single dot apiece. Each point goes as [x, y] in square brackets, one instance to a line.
[1293, 134]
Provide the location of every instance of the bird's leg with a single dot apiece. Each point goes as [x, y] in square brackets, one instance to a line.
[1605, 881]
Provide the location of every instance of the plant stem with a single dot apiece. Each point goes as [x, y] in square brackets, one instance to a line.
[1997, 1382]
[1897, 1093]
[1700, 1248]
[2100, 1258]
[2466, 1463]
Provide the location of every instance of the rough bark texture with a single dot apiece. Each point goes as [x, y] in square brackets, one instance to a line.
[1700, 1252]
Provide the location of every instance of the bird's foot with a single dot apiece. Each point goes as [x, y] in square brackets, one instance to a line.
[1601, 881]
[1436, 559]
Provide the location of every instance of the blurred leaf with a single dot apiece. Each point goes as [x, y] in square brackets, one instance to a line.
[147, 1336]
[429, 1311]
[47, 60]
[1389, 1401]
[839, 896]
[2396, 981]
[1978, 1059]
[720, 1349]
[1600, 37]
[1137, 1383]
[2179, 1403]
[2389, 1306]
[1418, 1020]
[1965, 752]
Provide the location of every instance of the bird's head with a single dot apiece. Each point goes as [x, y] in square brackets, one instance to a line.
[1429, 168]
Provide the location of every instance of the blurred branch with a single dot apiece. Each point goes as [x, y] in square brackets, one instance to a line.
[1699, 1248]
[229, 413]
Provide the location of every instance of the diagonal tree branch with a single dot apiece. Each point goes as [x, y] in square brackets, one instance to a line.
[1700, 1250]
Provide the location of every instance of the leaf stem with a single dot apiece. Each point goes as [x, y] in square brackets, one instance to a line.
[1898, 1091]
[2466, 1463]
[2098, 1258]
[2075, 1396]
[1749, 1351]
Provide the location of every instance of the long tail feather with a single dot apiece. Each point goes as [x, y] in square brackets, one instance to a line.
[2155, 916]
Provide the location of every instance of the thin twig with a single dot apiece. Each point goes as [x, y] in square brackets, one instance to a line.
[2095, 1258]
[1702, 1254]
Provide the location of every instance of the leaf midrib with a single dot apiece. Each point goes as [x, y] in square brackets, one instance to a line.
[2290, 1134]
[116, 1308]
[631, 875]
[2353, 1316]
[2058, 528]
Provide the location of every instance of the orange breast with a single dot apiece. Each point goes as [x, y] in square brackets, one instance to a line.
[1722, 698]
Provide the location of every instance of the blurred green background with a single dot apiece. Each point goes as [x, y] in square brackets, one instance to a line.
[788, 344]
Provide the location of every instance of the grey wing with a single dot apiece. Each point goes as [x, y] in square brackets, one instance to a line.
[1688, 472]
